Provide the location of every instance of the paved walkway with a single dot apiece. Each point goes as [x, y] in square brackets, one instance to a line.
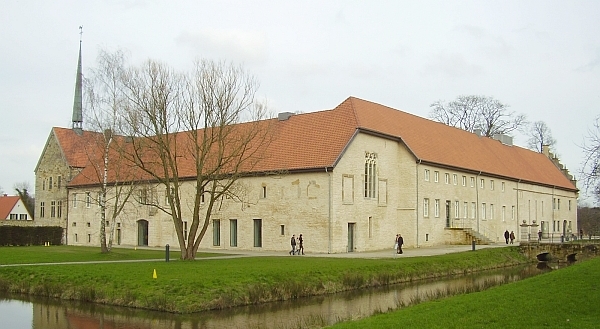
[225, 254]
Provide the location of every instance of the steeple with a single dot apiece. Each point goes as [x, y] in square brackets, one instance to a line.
[78, 102]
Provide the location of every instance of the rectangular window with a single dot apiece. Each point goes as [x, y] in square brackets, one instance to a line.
[257, 232]
[370, 175]
[49, 183]
[553, 203]
[58, 181]
[465, 210]
[558, 204]
[502, 186]
[483, 211]
[436, 176]
[473, 210]
[454, 179]
[43, 184]
[447, 178]
[88, 199]
[472, 181]
[42, 212]
[74, 224]
[59, 209]
[481, 183]
[503, 213]
[425, 207]
[74, 200]
[216, 232]
[569, 206]
[233, 232]
[12, 216]
[89, 238]
[464, 180]
[492, 184]
[512, 215]
[370, 222]
[282, 230]
[456, 209]
[52, 209]
[426, 175]
[76, 237]
[437, 208]
[23, 216]
[264, 192]
[491, 211]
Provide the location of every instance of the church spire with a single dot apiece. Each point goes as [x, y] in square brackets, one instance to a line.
[78, 102]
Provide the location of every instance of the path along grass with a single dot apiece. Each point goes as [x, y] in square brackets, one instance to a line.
[192, 286]
[567, 298]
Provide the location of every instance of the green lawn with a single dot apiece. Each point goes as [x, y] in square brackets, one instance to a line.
[567, 298]
[212, 283]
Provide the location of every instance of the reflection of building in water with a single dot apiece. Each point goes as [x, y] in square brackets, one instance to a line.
[301, 313]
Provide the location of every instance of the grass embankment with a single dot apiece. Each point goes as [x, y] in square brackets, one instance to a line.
[217, 283]
[568, 298]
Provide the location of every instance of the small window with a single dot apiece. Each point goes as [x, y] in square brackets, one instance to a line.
[483, 211]
[436, 176]
[425, 207]
[447, 178]
[492, 184]
[437, 208]
[264, 192]
[282, 230]
[74, 224]
[42, 210]
[89, 238]
[49, 183]
[502, 186]
[454, 179]
[58, 181]
[427, 175]
[464, 180]
[472, 181]
[89, 224]
[482, 183]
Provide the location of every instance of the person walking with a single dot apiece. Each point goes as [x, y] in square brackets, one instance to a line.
[506, 236]
[396, 244]
[400, 243]
[293, 243]
[539, 235]
[512, 236]
[300, 245]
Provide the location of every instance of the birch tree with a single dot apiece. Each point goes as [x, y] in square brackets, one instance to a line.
[105, 110]
[196, 134]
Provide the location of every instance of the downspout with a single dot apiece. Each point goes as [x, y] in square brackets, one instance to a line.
[67, 218]
[330, 212]
[477, 210]
[417, 202]
[518, 219]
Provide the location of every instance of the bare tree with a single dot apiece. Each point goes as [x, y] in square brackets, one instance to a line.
[473, 112]
[195, 135]
[106, 104]
[590, 171]
[22, 190]
[539, 135]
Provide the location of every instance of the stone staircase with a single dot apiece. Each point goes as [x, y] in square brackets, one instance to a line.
[479, 238]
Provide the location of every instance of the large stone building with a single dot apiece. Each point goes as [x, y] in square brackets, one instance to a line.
[348, 179]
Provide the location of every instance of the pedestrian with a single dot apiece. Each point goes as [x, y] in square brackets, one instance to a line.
[400, 243]
[512, 236]
[506, 236]
[293, 243]
[580, 234]
[396, 244]
[301, 245]
[539, 235]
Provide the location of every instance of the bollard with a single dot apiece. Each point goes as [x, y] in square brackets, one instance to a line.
[167, 253]
[473, 244]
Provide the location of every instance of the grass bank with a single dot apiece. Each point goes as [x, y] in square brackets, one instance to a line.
[568, 298]
[218, 283]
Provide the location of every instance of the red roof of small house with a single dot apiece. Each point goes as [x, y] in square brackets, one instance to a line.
[316, 140]
[7, 203]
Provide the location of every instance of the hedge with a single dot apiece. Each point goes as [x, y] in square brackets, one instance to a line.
[30, 235]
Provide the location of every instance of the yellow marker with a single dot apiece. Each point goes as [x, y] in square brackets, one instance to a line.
[154, 275]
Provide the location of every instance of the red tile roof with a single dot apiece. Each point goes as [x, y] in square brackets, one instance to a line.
[7, 203]
[315, 141]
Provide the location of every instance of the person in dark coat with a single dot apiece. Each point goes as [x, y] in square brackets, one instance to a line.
[301, 245]
[512, 237]
[400, 243]
[293, 243]
[506, 236]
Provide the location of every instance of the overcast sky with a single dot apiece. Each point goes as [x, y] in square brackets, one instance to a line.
[542, 58]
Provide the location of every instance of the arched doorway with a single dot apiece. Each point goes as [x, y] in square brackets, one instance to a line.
[142, 232]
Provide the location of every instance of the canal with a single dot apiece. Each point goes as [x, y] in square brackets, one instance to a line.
[27, 312]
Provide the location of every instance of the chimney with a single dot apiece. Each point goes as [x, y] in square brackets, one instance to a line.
[546, 150]
[284, 116]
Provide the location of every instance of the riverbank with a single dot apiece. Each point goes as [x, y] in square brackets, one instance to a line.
[567, 298]
[184, 287]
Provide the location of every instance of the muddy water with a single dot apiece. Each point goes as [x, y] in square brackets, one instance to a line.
[34, 313]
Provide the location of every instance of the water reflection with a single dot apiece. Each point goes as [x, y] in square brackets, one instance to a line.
[307, 312]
